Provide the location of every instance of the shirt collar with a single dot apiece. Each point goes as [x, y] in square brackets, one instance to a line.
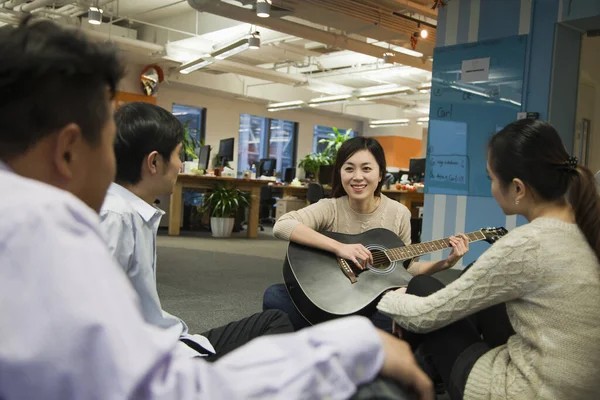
[146, 211]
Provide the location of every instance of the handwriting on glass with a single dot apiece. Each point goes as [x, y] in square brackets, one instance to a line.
[444, 112]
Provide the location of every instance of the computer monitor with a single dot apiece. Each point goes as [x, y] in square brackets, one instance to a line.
[204, 157]
[416, 169]
[266, 167]
[226, 149]
[289, 175]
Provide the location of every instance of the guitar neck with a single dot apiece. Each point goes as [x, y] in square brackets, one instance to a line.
[419, 249]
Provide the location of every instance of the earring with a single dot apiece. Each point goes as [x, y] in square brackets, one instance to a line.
[517, 202]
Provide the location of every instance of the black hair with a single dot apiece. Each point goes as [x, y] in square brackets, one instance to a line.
[141, 129]
[51, 76]
[532, 151]
[347, 149]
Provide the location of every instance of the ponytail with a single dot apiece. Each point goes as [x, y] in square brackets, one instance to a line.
[585, 201]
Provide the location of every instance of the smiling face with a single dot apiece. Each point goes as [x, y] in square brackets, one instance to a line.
[360, 175]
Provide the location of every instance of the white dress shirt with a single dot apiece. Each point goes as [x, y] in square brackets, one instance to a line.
[71, 325]
[130, 225]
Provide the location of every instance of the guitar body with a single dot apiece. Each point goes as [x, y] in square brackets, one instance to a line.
[321, 291]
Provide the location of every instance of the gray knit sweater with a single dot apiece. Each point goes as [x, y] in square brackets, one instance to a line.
[335, 215]
[549, 278]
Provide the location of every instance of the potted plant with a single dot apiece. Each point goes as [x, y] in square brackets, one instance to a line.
[189, 148]
[334, 142]
[222, 204]
[311, 163]
[320, 165]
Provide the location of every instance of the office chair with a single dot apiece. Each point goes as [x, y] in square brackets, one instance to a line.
[266, 207]
[314, 192]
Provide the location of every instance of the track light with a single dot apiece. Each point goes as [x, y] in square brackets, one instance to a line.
[263, 8]
[95, 15]
[254, 41]
[422, 32]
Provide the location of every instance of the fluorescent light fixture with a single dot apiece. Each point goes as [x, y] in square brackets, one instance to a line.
[95, 15]
[387, 125]
[377, 94]
[283, 108]
[286, 105]
[329, 100]
[194, 65]
[231, 50]
[424, 91]
[423, 119]
[384, 122]
[263, 8]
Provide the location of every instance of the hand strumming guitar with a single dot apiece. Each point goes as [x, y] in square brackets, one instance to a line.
[357, 253]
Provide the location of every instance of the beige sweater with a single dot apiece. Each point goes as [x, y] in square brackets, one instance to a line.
[549, 278]
[335, 215]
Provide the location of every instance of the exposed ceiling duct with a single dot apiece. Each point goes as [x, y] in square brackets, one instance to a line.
[367, 20]
[408, 6]
[127, 43]
[292, 28]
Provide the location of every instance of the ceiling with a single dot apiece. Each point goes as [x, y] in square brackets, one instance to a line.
[309, 48]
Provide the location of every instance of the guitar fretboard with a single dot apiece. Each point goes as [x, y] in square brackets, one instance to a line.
[419, 249]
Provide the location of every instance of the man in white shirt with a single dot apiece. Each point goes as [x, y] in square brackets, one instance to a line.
[71, 325]
[147, 148]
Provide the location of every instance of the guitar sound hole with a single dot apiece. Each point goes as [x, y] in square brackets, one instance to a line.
[380, 260]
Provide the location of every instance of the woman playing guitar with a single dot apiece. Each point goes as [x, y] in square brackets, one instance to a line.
[357, 206]
[546, 272]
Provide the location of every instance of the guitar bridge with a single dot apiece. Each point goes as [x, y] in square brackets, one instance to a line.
[347, 270]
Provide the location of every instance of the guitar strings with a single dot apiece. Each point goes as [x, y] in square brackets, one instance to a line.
[384, 256]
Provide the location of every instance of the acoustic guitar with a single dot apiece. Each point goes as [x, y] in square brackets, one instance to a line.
[323, 286]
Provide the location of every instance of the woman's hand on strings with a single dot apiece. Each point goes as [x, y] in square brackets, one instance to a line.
[357, 253]
[460, 247]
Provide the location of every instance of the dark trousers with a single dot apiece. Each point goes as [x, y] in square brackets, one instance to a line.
[276, 297]
[454, 349]
[229, 337]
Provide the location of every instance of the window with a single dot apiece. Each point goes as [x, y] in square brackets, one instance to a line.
[322, 132]
[262, 137]
[195, 118]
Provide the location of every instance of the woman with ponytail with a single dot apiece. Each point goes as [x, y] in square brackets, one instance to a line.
[545, 274]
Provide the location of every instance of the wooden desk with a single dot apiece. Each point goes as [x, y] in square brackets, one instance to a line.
[409, 199]
[207, 182]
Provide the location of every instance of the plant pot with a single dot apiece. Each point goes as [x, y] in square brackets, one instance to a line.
[221, 227]
[189, 165]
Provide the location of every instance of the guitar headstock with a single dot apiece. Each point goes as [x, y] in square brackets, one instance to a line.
[492, 235]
